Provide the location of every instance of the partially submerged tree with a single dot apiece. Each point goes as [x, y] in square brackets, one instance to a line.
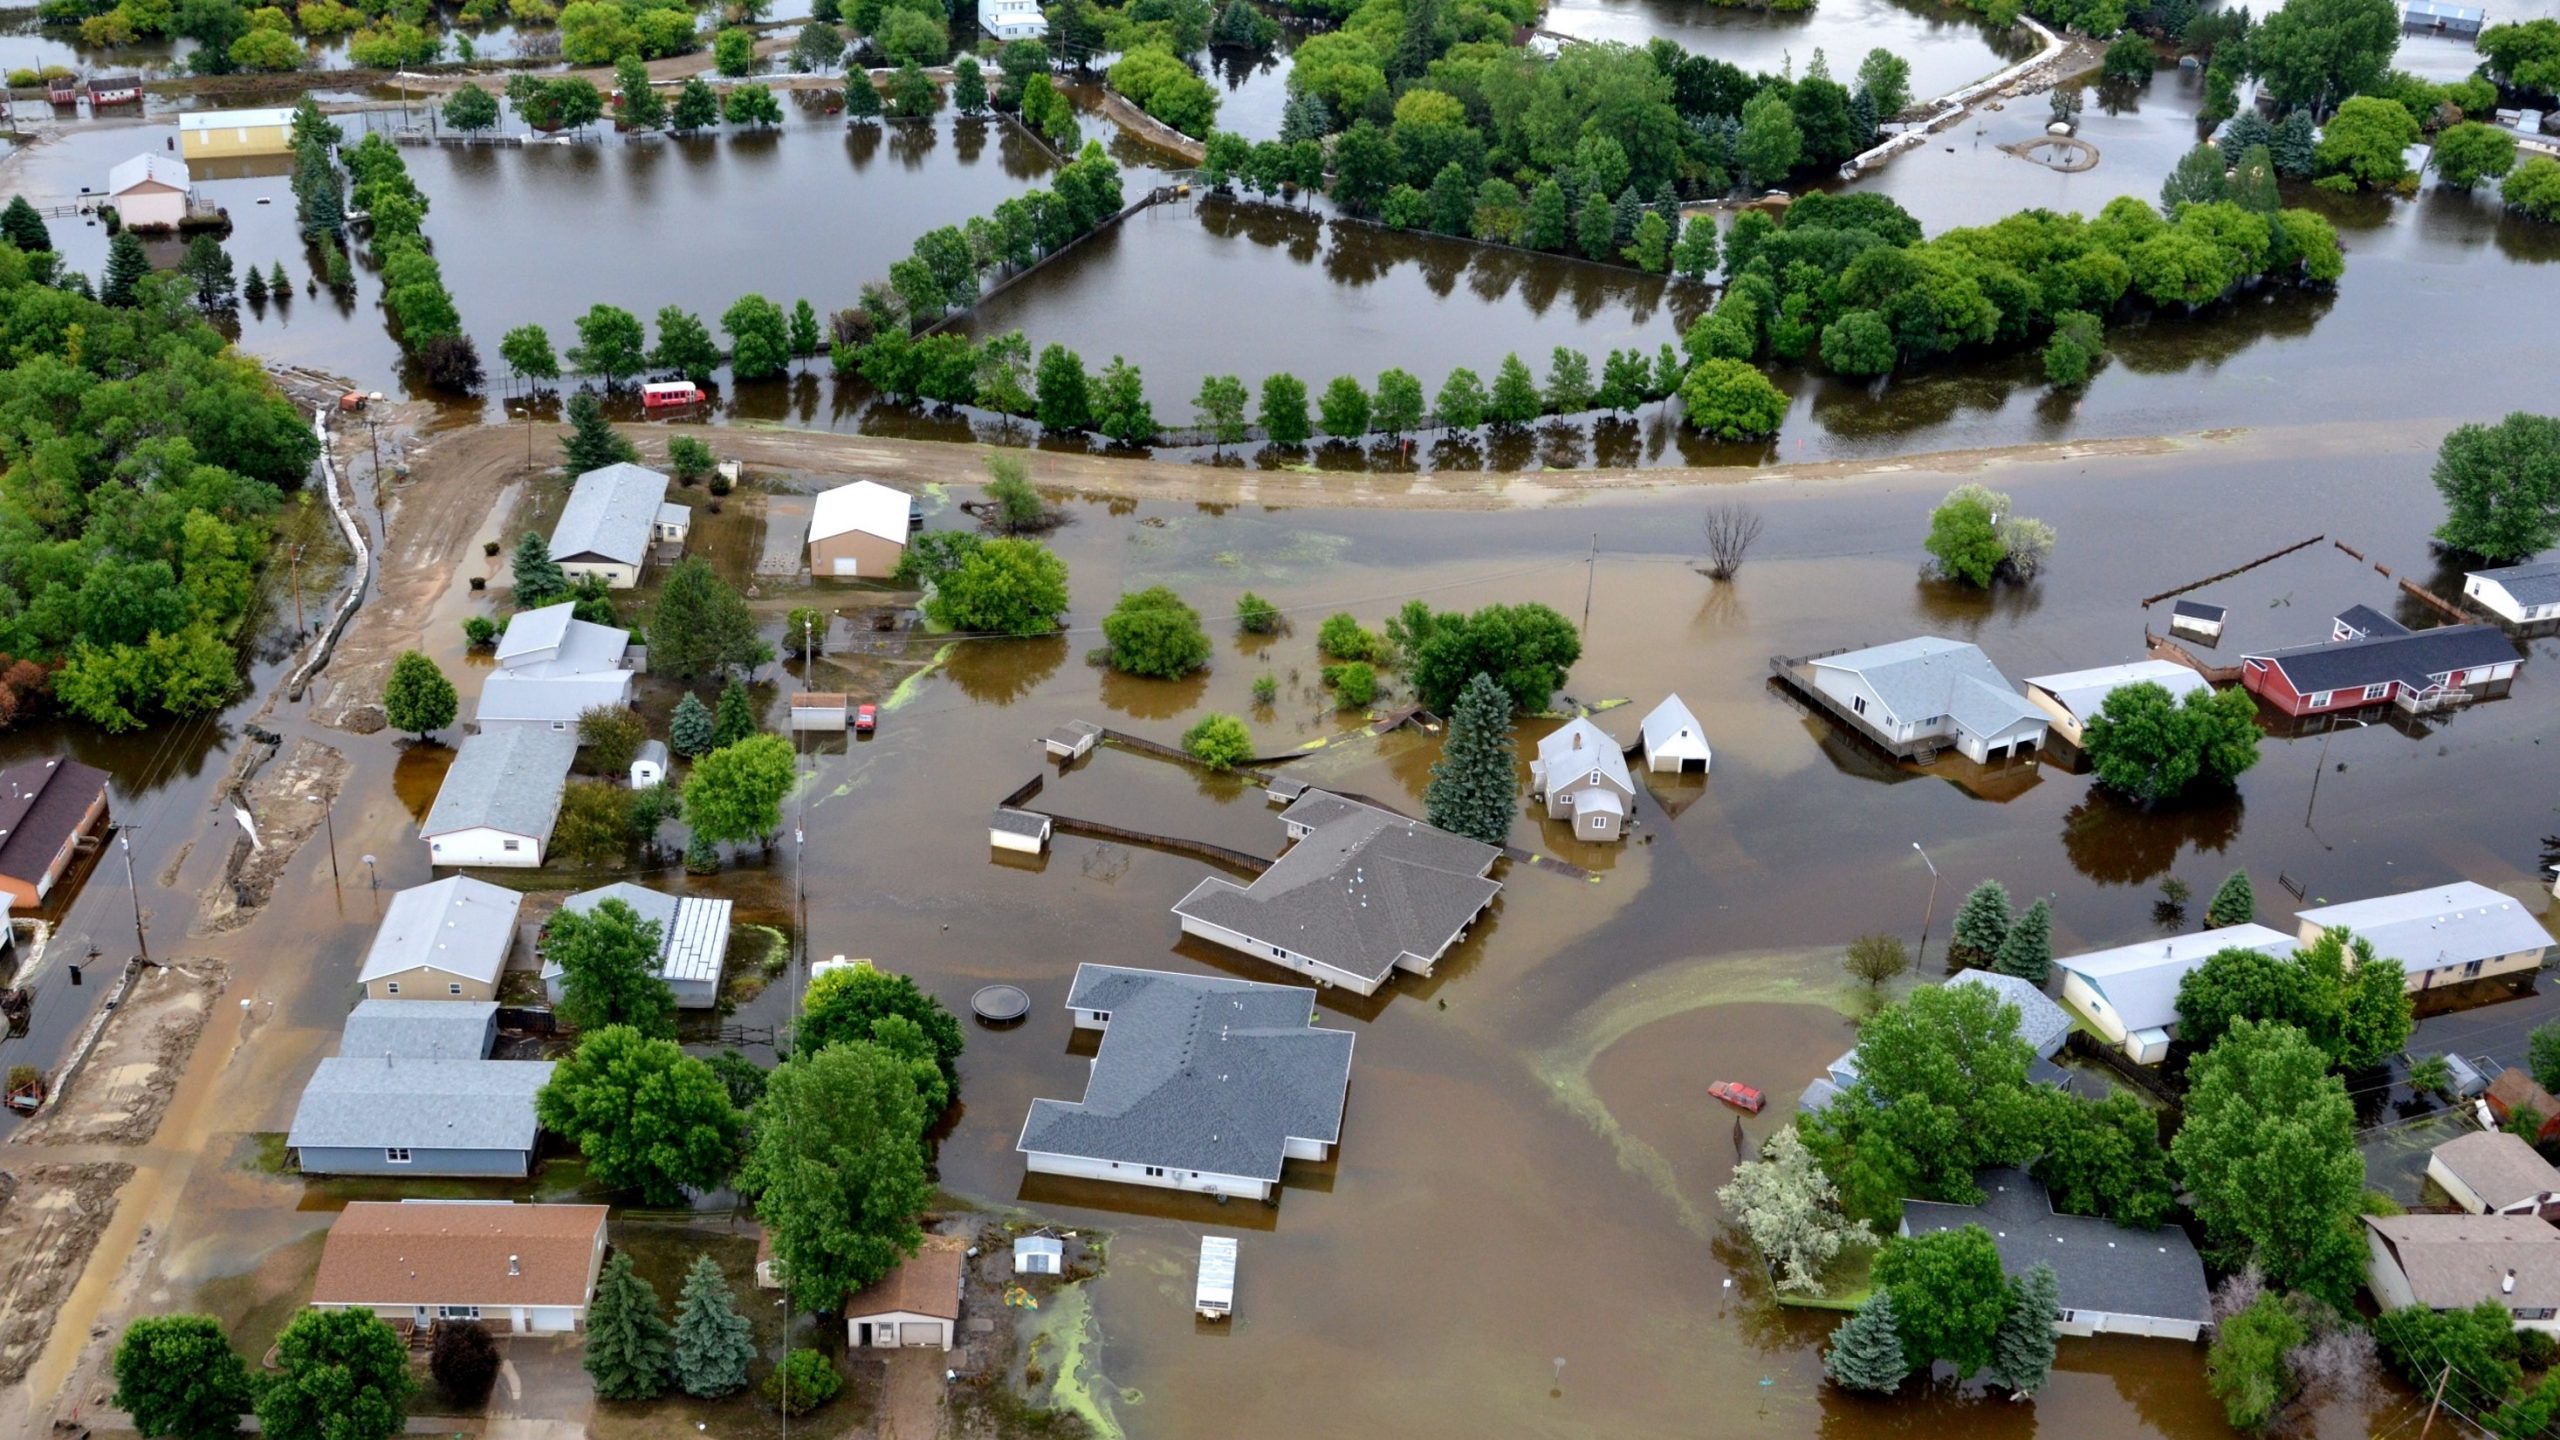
[418, 698]
[1866, 1351]
[836, 1168]
[608, 959]
[1731, 527]
[1790, 1210]
[713, 1342]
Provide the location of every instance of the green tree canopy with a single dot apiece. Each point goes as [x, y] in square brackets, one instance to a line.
[735, 792]
[2318, 53]
[2151, 748]
[2351, 1003]
[713, 1342]
[701, 625]
[629, 1349]
[2501, 487]
[340, 1375]
[1475, 784]
[178, 1376]
[608, 958]
[836, 1167]
[1002, 587]
[1949, 1295]
[1220, 742]
[417, 698]
[1527, 649]
[1152, 632]
[1982, 922]
[2268, 1149]
[1866, 1351]
[645, 1114]
[847, 1005]
[1941, 1092]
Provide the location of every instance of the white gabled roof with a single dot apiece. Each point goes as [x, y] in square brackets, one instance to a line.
[1561, 761]
[458, 925]
[1669, 729]
[2082, 691]
[233, 119]
[2446, 925]
[865, 506]
[2141, 980]
[144, 169]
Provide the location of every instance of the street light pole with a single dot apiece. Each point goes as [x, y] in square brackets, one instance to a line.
[140, 939]
[1931, 912]
[2323, 763]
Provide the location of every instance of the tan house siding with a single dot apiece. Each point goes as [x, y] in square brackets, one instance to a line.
[237, 140]
[874, 557]
[423, 983]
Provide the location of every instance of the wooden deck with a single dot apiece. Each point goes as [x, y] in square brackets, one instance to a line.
[1791, 672]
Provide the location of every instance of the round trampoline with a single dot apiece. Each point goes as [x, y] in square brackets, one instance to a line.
[1000, 1004]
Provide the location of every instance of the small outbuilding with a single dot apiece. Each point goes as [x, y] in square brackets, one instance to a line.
[2075, 697]
[2490, 1172]
[1042, 1254]
[119, 90]
[1674, 741]
[858, 531]
[821, 710]
[203, 135]
[693, 939]
[150, 192]
[649, 766]
[2197, 618]
[2513, 1091]
[1073, 740]
[916, 1305]
[1021, 830]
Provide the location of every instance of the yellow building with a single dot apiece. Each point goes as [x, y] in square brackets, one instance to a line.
[235, 132]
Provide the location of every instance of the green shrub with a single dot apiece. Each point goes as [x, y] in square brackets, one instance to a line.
[1218, 741]
[1266, 688]
[1355, 683]
[803, 1381]
[1341, 638]
[479, 631]
[1256, 616]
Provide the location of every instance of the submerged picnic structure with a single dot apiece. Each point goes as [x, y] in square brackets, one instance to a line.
[1919, 696]
[1201, 1083]
[1362, 893]
[614, 521]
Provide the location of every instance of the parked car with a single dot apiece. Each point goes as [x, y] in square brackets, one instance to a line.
[866, 718]
[1738, 1095]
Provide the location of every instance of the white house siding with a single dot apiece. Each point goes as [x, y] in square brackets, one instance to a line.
[892, 1329]
[1851, 690]
[481, 845]
[2463, 1195]
[617, 576]
[2455, 974]
[1297, 1149]
[154, 205]
[1201, 1182]
[1007, 840]
[2103, 1322]
[373, 1160]
[1325, 974]
[2501, 602]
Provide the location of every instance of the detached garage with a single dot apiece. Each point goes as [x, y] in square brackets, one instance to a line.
[916, 1305]
[858, 531]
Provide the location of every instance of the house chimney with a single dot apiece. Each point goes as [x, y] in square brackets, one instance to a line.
[2508, 1285]
[515, 1268]
[1577, 739]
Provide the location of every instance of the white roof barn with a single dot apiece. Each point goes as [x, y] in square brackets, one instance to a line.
[2075, 697]
[866, 506]
[1674, 740]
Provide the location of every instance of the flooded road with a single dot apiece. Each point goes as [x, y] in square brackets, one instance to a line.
[1530, 1121]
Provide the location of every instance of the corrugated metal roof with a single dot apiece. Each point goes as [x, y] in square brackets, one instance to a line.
[693, 930]
[1217, 1267]
[458, 925]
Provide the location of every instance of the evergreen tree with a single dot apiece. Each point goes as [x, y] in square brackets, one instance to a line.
[969, 87]
[713, 1341]
[22, 227]
[2233, 904]
[1305, 117]
[2027, 950]
[278, 282]
[736, 718]
[1866, 1351]
[253, 286]
[418, 698]
[629, 1346]
[539, 579]
[2022, 1349]
[1544, 226]
[1475, 785]
[2296, 147]
[1628, 210]
[689, 731]
[1982, 922]
[591, 443]
[126, 265]
[861, 97]
[209, 266]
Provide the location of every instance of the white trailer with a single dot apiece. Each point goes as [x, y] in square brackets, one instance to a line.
[1215, 1298]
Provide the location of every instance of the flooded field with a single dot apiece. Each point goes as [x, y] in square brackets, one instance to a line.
[1532, 1119]
[1947, 46]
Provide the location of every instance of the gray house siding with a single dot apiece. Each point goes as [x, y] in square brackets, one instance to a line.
[347, 1160]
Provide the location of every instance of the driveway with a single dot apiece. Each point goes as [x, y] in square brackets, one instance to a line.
[543, 1390]
[786, 534]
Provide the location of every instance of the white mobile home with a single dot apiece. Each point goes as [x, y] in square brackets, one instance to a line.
[2440, 936]
[2517, 594]
[2130, 993]
[2072, 699]
[1215, 1296]
[500, 797]
[614, 516]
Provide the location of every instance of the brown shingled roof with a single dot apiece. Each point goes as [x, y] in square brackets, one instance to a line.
[41, 805]
[929, 1284]
[391, 1253]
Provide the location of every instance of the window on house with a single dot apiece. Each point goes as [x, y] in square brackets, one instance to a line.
[457, 1312]
[1155, 1170]
[559, 724]
[453, 989]
[2543, 1313]
[510, 845]
[1597, 821]
[2376, 692]
[1102, 1015]
[1858, 703]
[2319, 699]
[390, 987]
[395, 1155]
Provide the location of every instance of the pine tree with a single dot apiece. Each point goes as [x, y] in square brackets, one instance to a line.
[418, 698]
[591, 443]
[2027, 951]
[861, 97]
[1305, 117]
[2022, 1349]
[736, 718]
[127, 264]
[689, 729]
[2233, 904]
[1982, 922]
[253, 286]
[1475, 786]
[539, 579]
[22, 227]
[1866, 1351]
[278, 282]
[713, 1341]
[628, 1343]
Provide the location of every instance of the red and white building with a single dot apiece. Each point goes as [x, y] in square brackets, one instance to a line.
[2372, 659]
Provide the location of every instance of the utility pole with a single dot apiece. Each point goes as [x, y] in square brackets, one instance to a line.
[2438, 1400]
[329, 818]
[1590, 572]
[125, 843]
[1931, 912]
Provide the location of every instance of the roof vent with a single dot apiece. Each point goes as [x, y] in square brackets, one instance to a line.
[2508, 1285]
[1577, 739]
[514, 1266]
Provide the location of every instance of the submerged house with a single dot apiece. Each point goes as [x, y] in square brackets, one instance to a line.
[1580, 774]
[1917, 696]
[1364, 892]
[2130, 993]
[49, 810]
[151, 192]
[2442, 935]
[693, 939]
[2372, 659]
[2072, 698]
[1674, 741]
[1200, 1083]
[2114, 1280]
[2518, 594]
[858, 530]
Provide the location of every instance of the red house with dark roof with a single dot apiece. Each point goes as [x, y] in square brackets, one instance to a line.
[2371, 659]
[46, 808]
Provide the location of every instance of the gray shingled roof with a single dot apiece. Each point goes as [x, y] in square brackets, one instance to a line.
[458, 925]
[420, 1029]
[1929, 675]
[2534, 584]
[1364, 888]
[2041, 1023]
[1198, 1073]
[357, 1103]
[2500, 1168]
[508, 780]
[2369, 621]
[2101, 1266]
[2197, 610]
[2410, 658]
[609, 515]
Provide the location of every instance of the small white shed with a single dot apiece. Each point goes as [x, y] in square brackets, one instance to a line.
[1039, 1255]
[1021, 830]
[1674, 741]
[1072, 740]
[1215, 1298]
[822, 710]
[2198, 618]
[649, 767]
